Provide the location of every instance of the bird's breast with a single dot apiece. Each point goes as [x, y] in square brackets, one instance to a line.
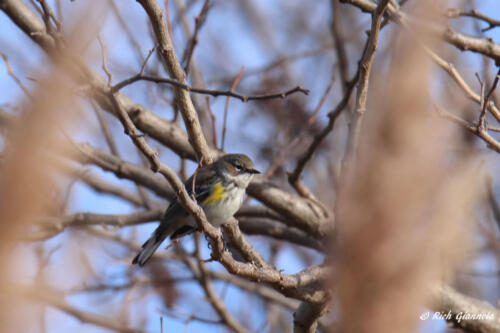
[218, 212]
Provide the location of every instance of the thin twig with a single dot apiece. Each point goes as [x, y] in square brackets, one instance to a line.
[284, 152]
[87, 154]
[114, 150]
[483, 104]
[167, 19]
[364, 78]
[59, 13]
[296, 211]
[484, 46]
[144, 63]
[481, 126]
[49, 227]
[104, 60]
[455, 75]
[128, 32]
[217, 304]
[299, 212]
[295, 175]
[101, 186]
[12, 75]
[48, 14]
[226, 106]
[336, 29]
[488, 139]
[305, 319]
[198, 23]
[212, 118]
[105, 129]
[455, 12]
[288, 284]
[182, 97]
[398, 5]
[214, 93]
[52, 298]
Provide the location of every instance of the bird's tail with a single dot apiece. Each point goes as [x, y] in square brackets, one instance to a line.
[149, 248]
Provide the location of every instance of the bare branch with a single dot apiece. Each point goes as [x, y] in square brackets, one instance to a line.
[455, 75]
[237, 240]
[217, 244]
[48, 15]
[294, 177]
[305, 215]
[455, 12]
[13, 76]
[490, 141]
[168, 133]
[336, 28]
[485, 46]
[284, 152]
[212, 118]
[50, 298]
[217, 304]
[297, 212]
[226, 106]
[175, 70]
[305, 319]
[484, 103]
[447, 299]
[104, 61]
[49, 227]
[214, 93]
[85, 153]
[364, 78]
[277, 230]
[198, 23]
[102, 186]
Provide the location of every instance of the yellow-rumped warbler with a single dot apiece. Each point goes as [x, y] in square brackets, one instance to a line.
[219, 188]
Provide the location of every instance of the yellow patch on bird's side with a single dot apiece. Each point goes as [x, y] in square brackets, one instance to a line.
[216, 195]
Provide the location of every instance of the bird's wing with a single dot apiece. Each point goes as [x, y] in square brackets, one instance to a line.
[173, 223]
[203, 179]
[174, 211]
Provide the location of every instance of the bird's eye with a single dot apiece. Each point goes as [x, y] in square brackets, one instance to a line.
[238, 167]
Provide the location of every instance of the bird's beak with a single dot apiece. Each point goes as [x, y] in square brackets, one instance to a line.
[253, 171]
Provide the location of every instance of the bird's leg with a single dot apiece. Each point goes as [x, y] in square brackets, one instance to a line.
[221, 238]
[224, 244]
[208, 241]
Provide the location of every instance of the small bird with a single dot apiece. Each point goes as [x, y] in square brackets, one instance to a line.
[219, 188]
